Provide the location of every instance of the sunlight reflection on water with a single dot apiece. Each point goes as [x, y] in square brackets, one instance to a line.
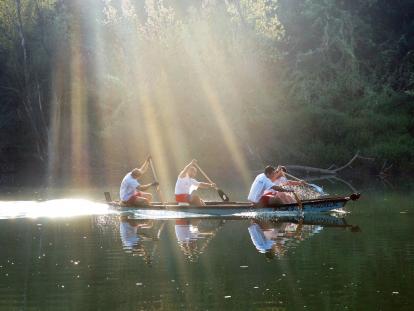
[51, 208]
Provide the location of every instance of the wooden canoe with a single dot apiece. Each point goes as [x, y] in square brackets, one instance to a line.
[320, 205]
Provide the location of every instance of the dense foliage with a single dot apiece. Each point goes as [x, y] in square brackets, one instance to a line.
[92, 84]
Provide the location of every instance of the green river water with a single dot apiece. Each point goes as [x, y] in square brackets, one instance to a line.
[75, 255]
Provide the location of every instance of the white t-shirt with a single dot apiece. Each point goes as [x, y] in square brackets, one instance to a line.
[129, 235]
[281, 181]
[128, 187]
[259, 239]
[260, 184]
[186, 233]
[186, 185]
[278, 182]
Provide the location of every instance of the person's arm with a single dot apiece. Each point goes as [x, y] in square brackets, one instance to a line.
[144, 166]
[205, 185]
[280, 189]
[294, 183]
[145, 187]
[183, 173]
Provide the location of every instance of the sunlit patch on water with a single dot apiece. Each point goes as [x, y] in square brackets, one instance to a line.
[51, 208]
[163, 214]
[339, 211]
[265, 215]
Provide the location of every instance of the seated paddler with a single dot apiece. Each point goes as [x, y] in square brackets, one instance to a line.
[264, 192]
[279, 178]
[186, 184]
[131, 191]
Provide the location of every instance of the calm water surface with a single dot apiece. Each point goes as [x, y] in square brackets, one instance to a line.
[101, 261]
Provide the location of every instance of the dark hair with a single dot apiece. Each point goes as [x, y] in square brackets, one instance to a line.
[269, 255]
[269, 170]
[283, 168]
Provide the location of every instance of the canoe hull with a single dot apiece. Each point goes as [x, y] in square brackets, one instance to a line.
[321, 205]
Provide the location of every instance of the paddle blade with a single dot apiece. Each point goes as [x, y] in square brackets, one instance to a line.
[355, 196]
[223, 196]
[107, 197]
[317, 188]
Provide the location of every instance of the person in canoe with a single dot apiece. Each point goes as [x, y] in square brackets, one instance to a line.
[279, 178]
[265, 192]
[186, 184]
[131, 191]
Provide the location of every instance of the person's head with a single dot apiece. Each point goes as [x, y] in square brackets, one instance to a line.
[279, 172]
[281, 168]
[268, 171]
[269, 255]
[192, 172]
[136, 173]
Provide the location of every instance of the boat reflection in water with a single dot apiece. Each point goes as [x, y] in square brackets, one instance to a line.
[274, 237]
[193, 236]
[139, 237]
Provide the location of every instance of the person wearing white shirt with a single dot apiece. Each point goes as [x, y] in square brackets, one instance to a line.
[131, 191]
[261, 191]
[259, 239]
[186, 184]
[280, 179]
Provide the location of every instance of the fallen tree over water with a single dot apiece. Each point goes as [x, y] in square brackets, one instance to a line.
[333, 169]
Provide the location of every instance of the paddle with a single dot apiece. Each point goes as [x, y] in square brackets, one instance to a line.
[220, 192]
[298, 200]
[156, 180]
[314, 187]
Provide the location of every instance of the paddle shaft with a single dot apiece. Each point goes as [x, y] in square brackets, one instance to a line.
[298, 179]
[204, 174]
[220, 192]
[298, 200]
[295, 178]
[156, 179]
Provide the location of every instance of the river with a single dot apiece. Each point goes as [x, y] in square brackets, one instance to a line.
[74, 254]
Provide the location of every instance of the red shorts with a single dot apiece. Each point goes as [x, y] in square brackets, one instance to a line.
[182, 198]
[264, 200]
[133, 197]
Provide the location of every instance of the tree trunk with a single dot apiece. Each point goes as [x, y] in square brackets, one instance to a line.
[329, 170]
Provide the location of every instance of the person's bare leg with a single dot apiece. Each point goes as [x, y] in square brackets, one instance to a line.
[275, 200]
[196, 200]
[146, 195]
[284, 198]
[288, 198]
[140, 201]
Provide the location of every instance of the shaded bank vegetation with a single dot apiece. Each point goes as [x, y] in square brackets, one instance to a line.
[92, 85]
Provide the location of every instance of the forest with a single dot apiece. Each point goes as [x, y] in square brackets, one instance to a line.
[88, 86]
